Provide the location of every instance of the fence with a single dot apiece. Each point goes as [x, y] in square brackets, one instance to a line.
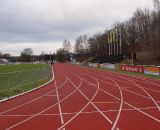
[132, 68]
[151, 70]
[105, 65]
[17, 79]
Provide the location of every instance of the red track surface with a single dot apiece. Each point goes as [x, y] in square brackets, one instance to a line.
[86, 99]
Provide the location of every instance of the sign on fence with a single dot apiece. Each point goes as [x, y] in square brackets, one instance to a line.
[132, 68]
[152, 70]
[92, 64]
[110, 66]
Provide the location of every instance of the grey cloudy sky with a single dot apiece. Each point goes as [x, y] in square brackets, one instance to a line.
[44, 24]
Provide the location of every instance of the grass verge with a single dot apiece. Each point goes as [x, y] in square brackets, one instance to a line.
[20, 78]
[18, 90]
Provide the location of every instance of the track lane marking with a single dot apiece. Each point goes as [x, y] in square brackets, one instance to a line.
[141, 89]
[146, 93]
[131, 105]
[79, 111]
[59, 107]
[54, 95]
[105, 102]
[43, 110]
[121, 103]
[119, 75]
[13, 108]
[89, 112]
[31, 100]
[89, 103]
[124, 88]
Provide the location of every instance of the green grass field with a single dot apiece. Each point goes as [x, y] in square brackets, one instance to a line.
[20, 67]
[16, 79]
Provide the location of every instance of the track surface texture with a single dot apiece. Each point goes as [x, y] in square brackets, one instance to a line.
[83, 98]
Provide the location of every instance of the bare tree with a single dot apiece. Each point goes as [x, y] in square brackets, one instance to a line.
[26, 55]
[61, 55]
[156, 5]
[67, 45]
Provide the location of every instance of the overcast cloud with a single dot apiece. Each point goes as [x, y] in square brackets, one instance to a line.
[44, 24]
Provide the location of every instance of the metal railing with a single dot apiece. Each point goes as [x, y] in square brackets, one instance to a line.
[18, 79]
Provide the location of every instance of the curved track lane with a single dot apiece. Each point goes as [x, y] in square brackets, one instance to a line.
[86, 99]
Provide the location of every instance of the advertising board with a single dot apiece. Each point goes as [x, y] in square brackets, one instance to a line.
[152, 70]
[110, 66]
[132, 68]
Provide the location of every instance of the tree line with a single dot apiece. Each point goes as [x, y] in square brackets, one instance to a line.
[142, 27]
[27, 55]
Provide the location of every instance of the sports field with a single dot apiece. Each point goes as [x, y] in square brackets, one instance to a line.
[86, 99]
[20, 67]
[18, 78]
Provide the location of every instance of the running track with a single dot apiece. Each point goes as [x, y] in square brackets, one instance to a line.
[86, 99]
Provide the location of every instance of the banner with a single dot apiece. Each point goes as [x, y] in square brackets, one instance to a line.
[152, 70]
[110, 66]
[110, 37]
[132, 68]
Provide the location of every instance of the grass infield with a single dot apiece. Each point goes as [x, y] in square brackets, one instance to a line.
[19, 78]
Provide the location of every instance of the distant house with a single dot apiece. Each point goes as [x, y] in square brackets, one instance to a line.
[3, 61]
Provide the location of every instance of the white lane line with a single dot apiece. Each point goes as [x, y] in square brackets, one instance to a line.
[120, 107]
[147, 81]
[105, 102]
[13, 108]
[150, 116]
[146, 93]
[135, 79]
[133, 106]
[152, 89]
[124, 88]
[54, 95]
[136, 93]
[16, 115]
[44, 109]
[32, 90]
[59, 107]
[89, 102]
[134, 83]
[80, 110]
[122, 81]
[89, 112]
[121, 103]
[107, 118]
